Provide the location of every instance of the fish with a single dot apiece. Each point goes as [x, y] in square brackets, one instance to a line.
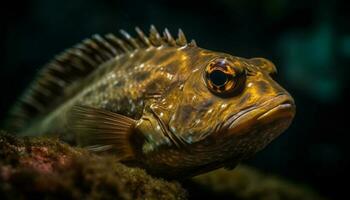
[158, 102]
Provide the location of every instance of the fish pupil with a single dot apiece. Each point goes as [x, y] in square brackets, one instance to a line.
[218, 78]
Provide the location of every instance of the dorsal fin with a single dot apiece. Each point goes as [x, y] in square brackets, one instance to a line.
[75, 64]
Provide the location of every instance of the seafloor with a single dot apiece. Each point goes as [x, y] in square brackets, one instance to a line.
[42, 168]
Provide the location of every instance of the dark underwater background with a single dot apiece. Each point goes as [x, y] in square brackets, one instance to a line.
[309, 41]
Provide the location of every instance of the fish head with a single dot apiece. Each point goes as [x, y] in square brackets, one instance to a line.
[226, 109]
[231, 105]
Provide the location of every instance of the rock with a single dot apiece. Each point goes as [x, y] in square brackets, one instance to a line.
[247, 183]
[48, 169]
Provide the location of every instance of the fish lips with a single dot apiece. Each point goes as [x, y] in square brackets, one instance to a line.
[280, 108]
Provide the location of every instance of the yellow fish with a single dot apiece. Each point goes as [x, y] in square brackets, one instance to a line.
[157, 102]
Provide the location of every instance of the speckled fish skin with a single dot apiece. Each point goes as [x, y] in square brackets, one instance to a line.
[182, 128]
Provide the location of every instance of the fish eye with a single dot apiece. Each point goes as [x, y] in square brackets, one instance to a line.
[222, 77]
[218, 78]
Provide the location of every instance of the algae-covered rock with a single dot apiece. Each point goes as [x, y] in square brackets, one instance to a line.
[247, 183]
[46, 168]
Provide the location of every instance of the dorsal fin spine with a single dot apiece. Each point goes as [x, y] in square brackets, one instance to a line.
[154, 36]
[130, 39]
[80, 61]
[97, 50]
[103, 43]
[181, 38]
[169, 38]
[117, 42]
[143, 37]
[79, 55]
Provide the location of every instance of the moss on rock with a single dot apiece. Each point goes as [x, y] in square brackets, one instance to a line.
[247, 183]
[49, 169]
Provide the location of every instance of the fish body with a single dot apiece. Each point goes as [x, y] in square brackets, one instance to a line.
[156, 102]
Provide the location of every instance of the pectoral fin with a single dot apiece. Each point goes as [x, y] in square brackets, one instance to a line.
[100, 130]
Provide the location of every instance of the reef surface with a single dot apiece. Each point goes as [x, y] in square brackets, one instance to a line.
[44, 168]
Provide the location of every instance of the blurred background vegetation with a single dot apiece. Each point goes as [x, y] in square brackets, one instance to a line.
[309, 41]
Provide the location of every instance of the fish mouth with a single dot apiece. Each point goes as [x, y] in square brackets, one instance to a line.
[278, 108]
